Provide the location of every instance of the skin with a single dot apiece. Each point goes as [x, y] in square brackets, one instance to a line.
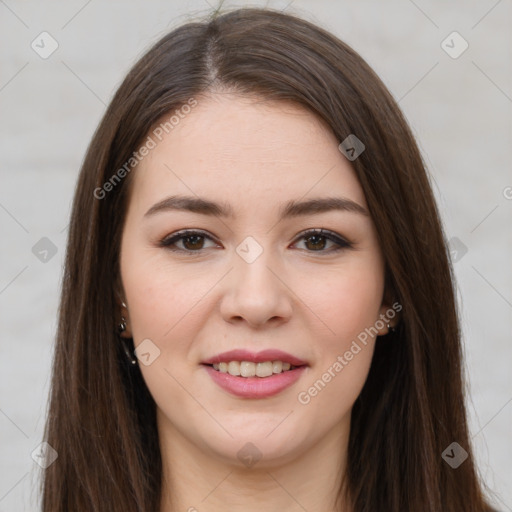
[297, 296]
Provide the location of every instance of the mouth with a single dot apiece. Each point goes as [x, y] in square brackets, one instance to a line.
[248, 375]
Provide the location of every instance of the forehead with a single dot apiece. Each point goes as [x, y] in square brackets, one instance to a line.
[249, 149]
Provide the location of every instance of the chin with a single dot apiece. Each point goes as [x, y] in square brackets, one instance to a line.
[254, 447]
[259, 454]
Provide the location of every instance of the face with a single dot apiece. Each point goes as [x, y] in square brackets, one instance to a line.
[260, 278]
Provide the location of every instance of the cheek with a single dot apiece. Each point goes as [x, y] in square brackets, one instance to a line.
[348, 307]
[160, 295]
[165, 306]
[342, 360]
[346, 300]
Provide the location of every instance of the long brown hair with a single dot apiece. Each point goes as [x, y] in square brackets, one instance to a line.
[101, 416]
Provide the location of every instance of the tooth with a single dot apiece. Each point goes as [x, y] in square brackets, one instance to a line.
[277, 366]
[250, 369]
[247, 369]
[264, 369]
[234, 368]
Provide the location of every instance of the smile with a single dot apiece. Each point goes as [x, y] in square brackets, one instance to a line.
[246, 374]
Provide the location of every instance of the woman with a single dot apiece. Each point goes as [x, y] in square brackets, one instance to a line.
[254, 219]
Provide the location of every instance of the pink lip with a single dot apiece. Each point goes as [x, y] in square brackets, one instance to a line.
[260, 357]
[255, 387]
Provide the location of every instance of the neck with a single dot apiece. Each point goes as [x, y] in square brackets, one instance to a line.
[195, 481]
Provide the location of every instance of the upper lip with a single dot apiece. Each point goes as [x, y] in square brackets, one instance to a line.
[260, 357]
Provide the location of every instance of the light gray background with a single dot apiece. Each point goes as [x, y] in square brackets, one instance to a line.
[458, 108]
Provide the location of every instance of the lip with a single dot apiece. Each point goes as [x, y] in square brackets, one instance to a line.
[255, 387]
[260, 357]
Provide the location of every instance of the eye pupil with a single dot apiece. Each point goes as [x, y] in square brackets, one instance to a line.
[192, 237]
[313, 237]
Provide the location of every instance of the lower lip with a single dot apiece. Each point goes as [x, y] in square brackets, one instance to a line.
[255, 387]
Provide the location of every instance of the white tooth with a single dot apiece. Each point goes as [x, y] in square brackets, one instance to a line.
[264, 369]
[277, 366]
[247, 369]
[223, 367]
[234, 368]
[286, 366]
[215, 366]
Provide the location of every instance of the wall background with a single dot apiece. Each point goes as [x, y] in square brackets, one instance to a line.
[459, 108]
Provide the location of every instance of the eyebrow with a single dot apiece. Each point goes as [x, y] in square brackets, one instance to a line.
[288, 210]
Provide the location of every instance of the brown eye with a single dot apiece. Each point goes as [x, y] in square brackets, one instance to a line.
[316, 241]
[192, 241]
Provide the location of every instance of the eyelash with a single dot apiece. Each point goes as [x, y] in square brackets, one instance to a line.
[171, 240]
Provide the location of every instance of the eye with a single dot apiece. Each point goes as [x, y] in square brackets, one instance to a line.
[317, 239]
[193, 241]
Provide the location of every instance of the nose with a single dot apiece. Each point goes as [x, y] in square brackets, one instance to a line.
[256, 293]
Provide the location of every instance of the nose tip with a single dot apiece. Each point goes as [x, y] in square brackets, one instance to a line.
[256, 293]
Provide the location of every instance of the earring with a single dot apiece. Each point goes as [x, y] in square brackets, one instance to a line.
[121, 327]
[391, 329]
[129, 355]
